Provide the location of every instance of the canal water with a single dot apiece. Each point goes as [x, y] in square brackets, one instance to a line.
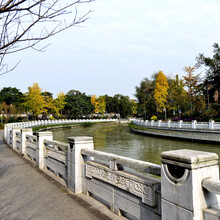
[119, 140]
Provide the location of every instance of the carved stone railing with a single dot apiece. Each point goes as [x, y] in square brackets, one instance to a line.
[120, 161]
[125, 175]
[211, 125]
[31, 147]
[56, 158]
[185, 186]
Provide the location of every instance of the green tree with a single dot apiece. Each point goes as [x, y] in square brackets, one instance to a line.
[77, 104]
[161, 91]
[11, 95]
[212, 67]
[176, 94]
[145, 96]
[49, 105]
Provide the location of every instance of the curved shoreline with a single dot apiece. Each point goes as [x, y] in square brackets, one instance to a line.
[182, 134]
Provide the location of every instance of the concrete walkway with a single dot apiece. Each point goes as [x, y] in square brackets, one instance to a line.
[28, 193]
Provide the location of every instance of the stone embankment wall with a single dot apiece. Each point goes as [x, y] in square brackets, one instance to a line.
[203, 131]
[184, 187]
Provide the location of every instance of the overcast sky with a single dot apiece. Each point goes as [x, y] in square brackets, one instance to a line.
[123, 42]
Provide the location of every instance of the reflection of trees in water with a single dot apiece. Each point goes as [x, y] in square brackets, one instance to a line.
[119, 140]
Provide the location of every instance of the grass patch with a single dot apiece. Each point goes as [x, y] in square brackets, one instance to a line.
[83, 124]
[63, 125]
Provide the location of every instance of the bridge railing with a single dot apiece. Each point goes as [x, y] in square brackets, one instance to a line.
[56, 158]
[211, 125]
[31, 147]
[185, 186]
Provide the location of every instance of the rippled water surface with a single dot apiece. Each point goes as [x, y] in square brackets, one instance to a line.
[119, 140]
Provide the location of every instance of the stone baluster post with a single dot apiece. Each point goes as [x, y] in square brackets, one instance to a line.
[152, 123]
[211, 124]
[180, 123]
[76, 161]
[169, 123]
[41, 136]
[8, 136]
[159, 123]
[24, 132]
[194, 124]
[182, 194]
[16, 129]
[5, 132]
[146, 123]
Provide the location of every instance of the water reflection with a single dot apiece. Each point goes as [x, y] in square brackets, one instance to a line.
[119, 140]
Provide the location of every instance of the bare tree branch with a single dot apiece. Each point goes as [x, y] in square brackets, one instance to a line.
[25, 23]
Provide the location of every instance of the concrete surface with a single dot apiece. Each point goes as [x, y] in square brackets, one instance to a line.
[28, 193]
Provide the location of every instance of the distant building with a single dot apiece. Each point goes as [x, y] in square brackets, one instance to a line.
[213, 94]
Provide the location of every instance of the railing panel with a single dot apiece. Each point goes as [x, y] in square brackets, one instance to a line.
[31, 147]
[56, 157]
[124, 161]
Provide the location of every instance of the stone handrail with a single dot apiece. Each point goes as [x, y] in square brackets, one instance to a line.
[212, 185]
[31, 124]
[56, 145]
[185, 187]
[124, 161]
[211, 125]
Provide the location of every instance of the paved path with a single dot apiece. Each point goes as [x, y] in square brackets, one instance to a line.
[28, 193]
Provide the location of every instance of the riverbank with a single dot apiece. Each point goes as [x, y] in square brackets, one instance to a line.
[208, 136]
[35, 196]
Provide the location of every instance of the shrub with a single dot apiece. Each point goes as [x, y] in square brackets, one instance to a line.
[154, 117]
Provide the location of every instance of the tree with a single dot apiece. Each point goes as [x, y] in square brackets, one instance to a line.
[49, 106]
[60, 103]
[25, 23]
[77, 104]
[133, 107]
[212, 67]
[192, 83]
[145, 96]
[160, 91]
[11, 95]
[35, 101]
[94, 101]
[102, 104]
[176, 94]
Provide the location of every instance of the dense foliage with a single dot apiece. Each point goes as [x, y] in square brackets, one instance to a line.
[36, 104]
[183, 98]
[189, 97]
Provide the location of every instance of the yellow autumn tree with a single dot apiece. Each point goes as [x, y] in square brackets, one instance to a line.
[192, 84]
[34, 100]
[102, 104]
[133, 107]
[99, 104]
[161, 91]
[94, 101]
[60, 103]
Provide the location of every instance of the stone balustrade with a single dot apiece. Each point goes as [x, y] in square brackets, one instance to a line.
[185, 186]
[211, 125]
[197, 131]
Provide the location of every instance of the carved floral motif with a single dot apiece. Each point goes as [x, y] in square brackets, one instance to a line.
[113, 177]
[55, 155]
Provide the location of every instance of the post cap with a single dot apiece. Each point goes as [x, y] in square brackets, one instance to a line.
[189, 158]
[44, 133]
[80, 139]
